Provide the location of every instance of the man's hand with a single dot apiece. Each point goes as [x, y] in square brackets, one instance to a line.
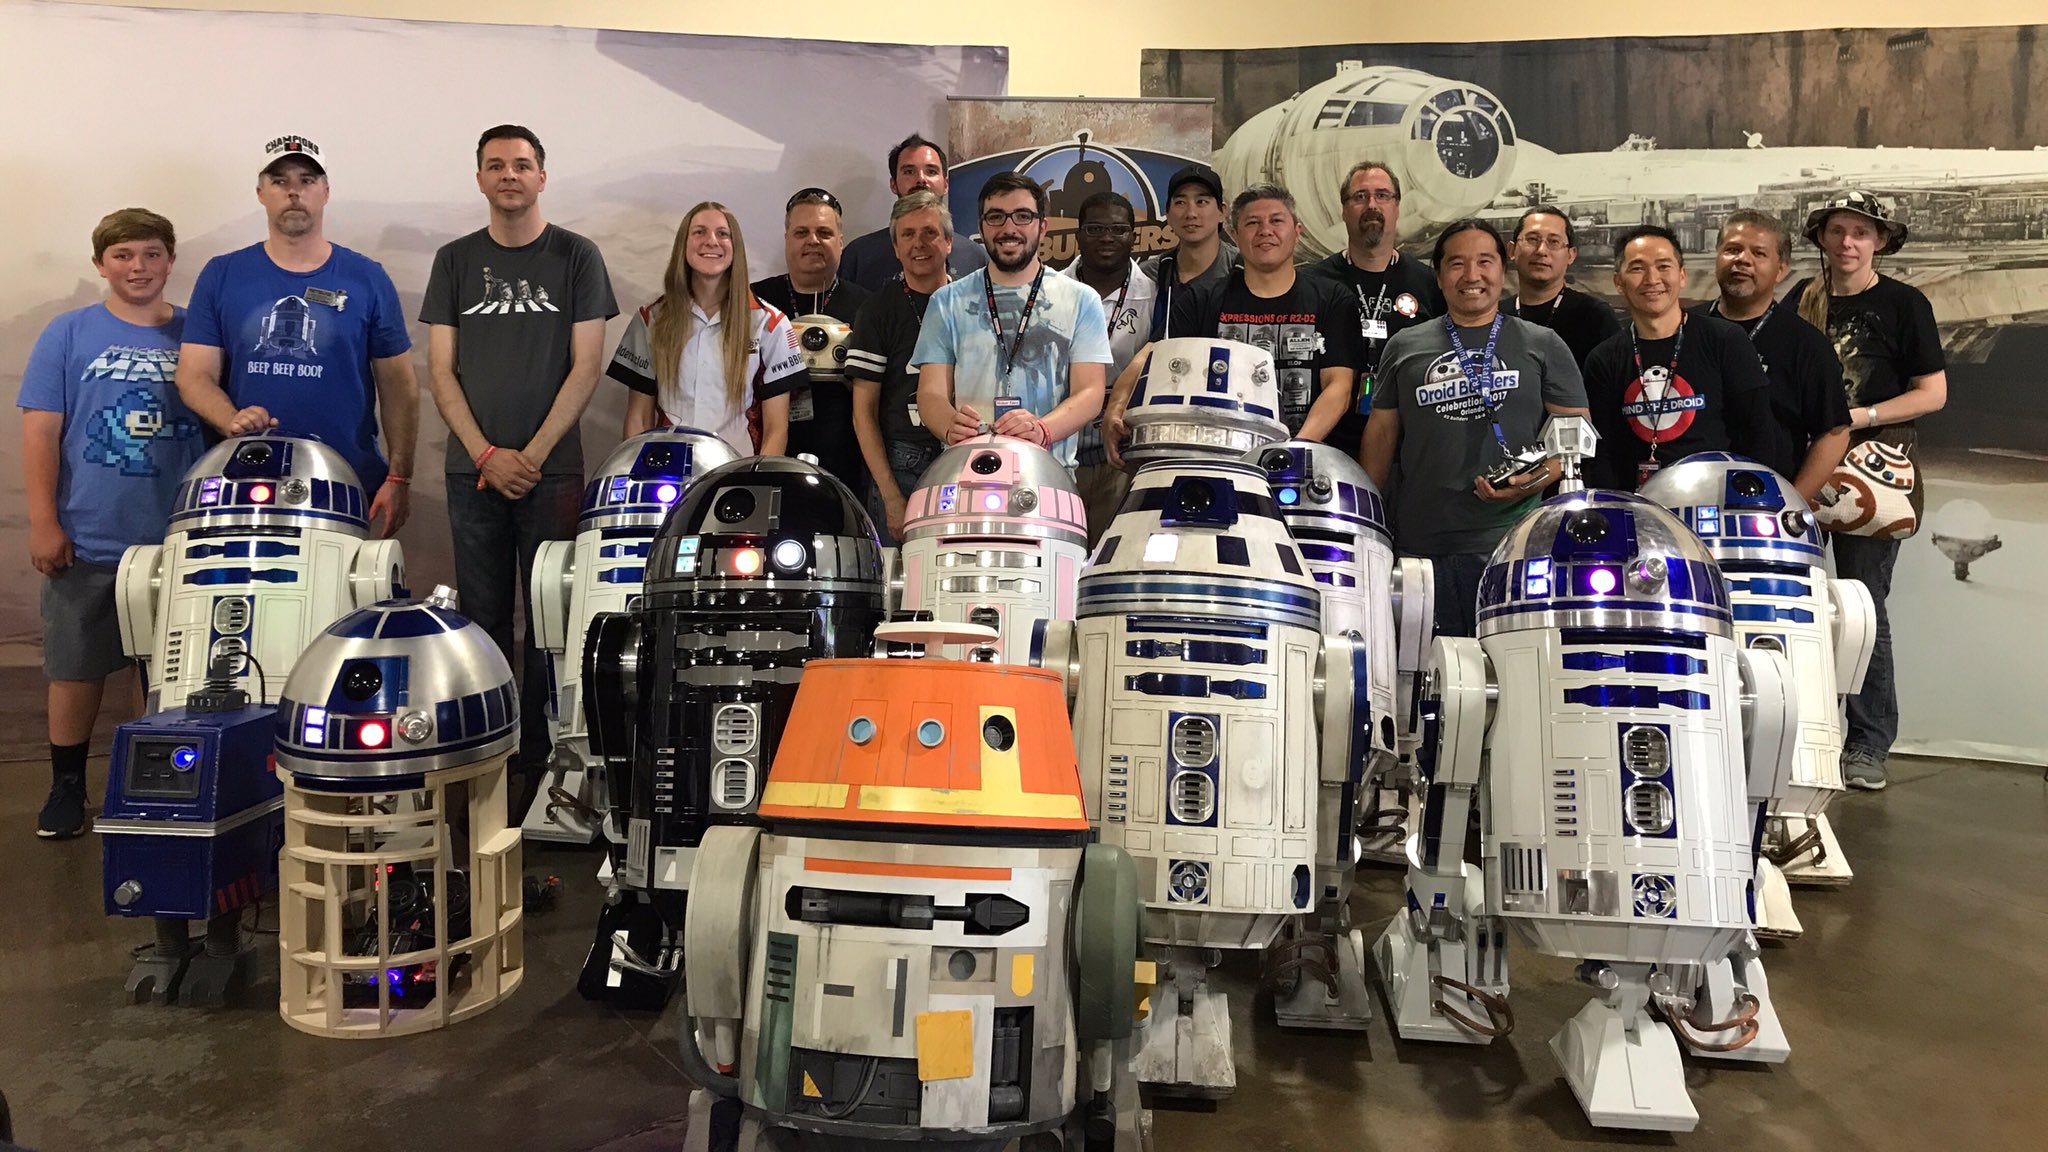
[1510, 493]
[254, 418]
[393, 502]
[894, 509]
[49, 549]
[966, 425]
[509, 473]
[1115, 429]
[1024, 426]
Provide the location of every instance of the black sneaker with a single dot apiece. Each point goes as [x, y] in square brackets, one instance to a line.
[1862, 769]
[63, 815]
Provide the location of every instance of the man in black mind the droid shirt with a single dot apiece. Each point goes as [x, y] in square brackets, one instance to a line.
[1390, 291]
[1669, 385]
[1546, 247]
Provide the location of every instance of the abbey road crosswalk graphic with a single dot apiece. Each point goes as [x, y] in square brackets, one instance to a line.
[509, 296]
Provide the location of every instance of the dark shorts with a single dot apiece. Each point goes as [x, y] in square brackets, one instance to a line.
[81, 629]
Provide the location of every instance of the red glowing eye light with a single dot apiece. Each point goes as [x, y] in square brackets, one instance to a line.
[259, 493]
[372, 734]
[746, 561]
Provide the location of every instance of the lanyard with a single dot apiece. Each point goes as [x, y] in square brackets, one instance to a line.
[1548, 319]
[1670, 381]
[1115, 309]
[1762, 320]
[1485, 384]
[995, 321]
[819, 300]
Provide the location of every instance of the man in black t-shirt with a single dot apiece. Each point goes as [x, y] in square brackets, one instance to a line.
[892, 437]
[1806, 378]
[820, 412]
[1306, 322]
[1391, 292]
[1546, 247]
[1670, 385]
[915, 164]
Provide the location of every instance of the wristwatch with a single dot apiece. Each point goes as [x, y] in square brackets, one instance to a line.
[1870, 414]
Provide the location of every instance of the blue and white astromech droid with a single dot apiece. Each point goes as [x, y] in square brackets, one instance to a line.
[573, 581]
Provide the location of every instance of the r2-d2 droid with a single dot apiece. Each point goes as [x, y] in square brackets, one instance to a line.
[1764, 536]
[995, 535]
[268, 544]
[1615, 738]
[1205, 736]
[600, 571]
[1203, 397]
[766, 563]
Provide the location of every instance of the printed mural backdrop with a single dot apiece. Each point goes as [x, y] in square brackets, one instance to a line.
[1682, 131]
[638, 127]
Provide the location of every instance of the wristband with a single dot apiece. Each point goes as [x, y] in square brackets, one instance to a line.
[1870, 413]
[391, 479]
[485, 455]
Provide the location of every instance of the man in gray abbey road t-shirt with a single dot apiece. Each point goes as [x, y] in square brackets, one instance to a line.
[516, 314]
[1434, 416]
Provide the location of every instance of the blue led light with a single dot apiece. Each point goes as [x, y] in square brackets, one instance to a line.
[1536, 586]
[949, 495]
[184, 758]
[315, 734]
[1289, 496]
[1539, 566]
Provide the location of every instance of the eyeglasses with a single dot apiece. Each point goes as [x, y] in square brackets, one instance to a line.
[1105, 231]
[1531, 240]
[1368, 195]
[814, 196]
[994, 218]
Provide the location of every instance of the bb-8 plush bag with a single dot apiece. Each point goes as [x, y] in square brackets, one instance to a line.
[1875, 491]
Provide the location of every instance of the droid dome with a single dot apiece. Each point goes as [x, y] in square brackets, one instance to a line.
[764, 521]
[646, 475]
[270, 479]
[1004, 487]
[1741, 510]
[1598, 559]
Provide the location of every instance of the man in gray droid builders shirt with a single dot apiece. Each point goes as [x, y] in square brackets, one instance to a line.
[1445, 413]
[515, 314]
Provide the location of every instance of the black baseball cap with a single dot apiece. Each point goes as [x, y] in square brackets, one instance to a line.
[1196, 174]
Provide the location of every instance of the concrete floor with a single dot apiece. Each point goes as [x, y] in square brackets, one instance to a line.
[1913, 1005]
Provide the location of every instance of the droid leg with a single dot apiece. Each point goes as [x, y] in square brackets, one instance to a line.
[160, 969]
[223, 968]
[1186, 1041]
[637, 956]
[1775, 917]
[1394, 793]
[1317, 969]
[1622, 1063]
[1809, 855]
[567, 806]
[1733, 1017]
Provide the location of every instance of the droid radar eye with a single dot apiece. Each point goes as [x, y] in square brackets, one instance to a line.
[1195, 496]
[1747, 484]
[258, 453]
[1588, 526]
[998, 733]
[985, 464]
[361, 679]
[659, 456]
[815, 339]
[1277, 461]
[734, 506]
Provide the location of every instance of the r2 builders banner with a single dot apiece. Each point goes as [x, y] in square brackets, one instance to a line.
[106, 108]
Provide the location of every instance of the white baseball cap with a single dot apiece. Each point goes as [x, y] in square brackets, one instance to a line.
[284, 147]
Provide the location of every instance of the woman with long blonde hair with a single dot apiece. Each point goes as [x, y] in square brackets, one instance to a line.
[707, 354]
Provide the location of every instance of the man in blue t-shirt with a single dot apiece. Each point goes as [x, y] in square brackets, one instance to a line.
[306, 337]
[105, 442]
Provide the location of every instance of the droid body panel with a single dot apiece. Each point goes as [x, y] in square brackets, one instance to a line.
[573, 581]
[995, 535]
[268, 544]
[1764, 536]
[1616, 795]
[1205, 397]
[929, 944]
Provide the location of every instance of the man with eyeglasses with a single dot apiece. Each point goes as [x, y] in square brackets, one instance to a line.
[1546, 247]
[1390, 293]
[1202, 256]
[1108, 233]
[914, 163]
[821, 411]
[1008, 348]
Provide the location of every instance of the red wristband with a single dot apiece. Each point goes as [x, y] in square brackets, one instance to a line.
[391, 479]
[485, 455]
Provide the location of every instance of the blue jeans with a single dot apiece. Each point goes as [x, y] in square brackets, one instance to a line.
[1457, 590]
[1873, 712]
[907, 461]
[495, 542]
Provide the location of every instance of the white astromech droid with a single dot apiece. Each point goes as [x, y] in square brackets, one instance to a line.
[1210, 711]
[920, 943]
[600, 571]
[1616, 739]
[268, 545]
[1203, 397]
[995, 535]
[1764, 537]
[1338, 521]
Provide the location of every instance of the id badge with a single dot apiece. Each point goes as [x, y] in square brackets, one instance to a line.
[1006, 405]
[1365, 393]
[1645, 470]
[800, 406]
[1375, 329]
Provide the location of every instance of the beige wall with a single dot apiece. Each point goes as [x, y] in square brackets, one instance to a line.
[1087, 47]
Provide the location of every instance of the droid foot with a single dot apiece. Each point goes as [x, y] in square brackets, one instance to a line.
[217, 981]
[1421, 1005]
[1185, 1049]
[1626, 1072]
[1737, 994]
[155, 977]
[562, 810]
[1326, 987]
[637, 957]
[1815, 858]
[1775, 918]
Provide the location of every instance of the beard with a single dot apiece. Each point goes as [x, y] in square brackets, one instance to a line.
[1022, 262]
[295, 222]
[1372, 228]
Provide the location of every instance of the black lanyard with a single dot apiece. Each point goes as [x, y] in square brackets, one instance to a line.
[1483, 384]
[1762, 320]
[819, 300]
[1670, 380]
[995, 321]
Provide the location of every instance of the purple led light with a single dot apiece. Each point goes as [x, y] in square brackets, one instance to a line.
[666, 493]
[992, 501]
[1602, 581]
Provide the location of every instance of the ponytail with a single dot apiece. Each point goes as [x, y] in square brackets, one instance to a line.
[1813, 303]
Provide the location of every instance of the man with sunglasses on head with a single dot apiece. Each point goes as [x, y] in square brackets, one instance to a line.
[1010, 348]
[1390, 291]
[1546, 247]
[914, 163]
[820, 412]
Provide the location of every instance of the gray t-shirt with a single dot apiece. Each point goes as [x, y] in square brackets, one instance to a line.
[513, 310]
[1447, 435]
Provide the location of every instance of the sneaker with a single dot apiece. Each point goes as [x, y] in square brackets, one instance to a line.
[1861, 769]
[63, 815]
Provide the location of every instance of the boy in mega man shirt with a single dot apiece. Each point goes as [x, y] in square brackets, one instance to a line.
[295, 333]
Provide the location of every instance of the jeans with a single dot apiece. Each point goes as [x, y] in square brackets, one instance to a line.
[1873, 712]
[1457, 590]
[495, 542]
[907, 461]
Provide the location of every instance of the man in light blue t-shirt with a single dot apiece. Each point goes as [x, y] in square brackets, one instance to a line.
[305, 336]
[1011, 348]
[105, 442]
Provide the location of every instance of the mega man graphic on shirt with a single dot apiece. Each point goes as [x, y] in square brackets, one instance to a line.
[120, 435]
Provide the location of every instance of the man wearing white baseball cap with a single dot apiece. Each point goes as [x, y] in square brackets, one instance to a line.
[305, 336]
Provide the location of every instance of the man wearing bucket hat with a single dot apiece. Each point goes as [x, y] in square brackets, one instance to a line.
[1894, 373]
